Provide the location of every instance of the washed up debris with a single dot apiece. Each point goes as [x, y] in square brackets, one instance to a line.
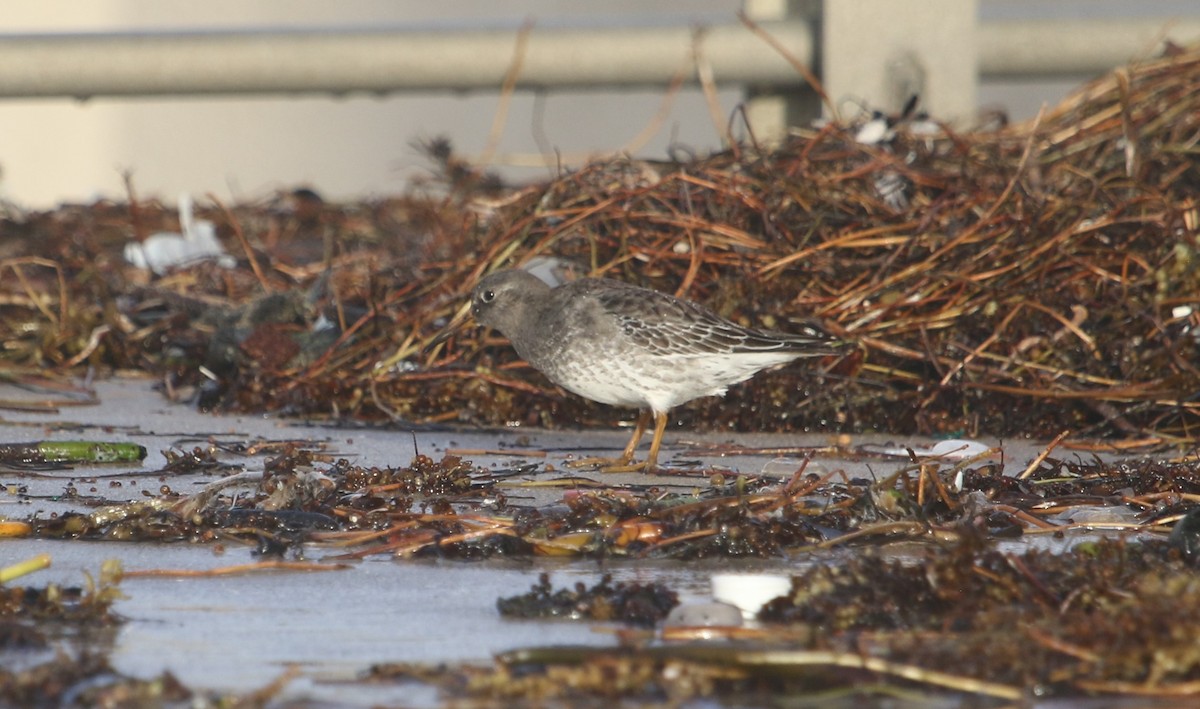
[954, 449]
[91, 603]
[15, 571]
[749, 592]
[951, 622]
[70, 452]
[10, 529]
[635, 604]
[451, 508]
[1185, 536]
[70, 620]
[235, 570]
[706, 671]
[164, 251]
[55, 389]
[704, 615]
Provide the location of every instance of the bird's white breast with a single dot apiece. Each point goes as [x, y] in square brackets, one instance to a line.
[659, 383]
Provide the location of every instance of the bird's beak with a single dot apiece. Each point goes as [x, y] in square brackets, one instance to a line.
[460, 320]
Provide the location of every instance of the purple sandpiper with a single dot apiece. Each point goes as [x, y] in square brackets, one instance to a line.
[623, 345]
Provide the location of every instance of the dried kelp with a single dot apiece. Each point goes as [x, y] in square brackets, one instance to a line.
[1034, 279]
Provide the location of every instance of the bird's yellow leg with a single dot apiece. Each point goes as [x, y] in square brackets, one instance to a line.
[660, 427]
[622, 464]
[639, 430]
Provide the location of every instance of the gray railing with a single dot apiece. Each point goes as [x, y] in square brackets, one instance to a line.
[877, 51]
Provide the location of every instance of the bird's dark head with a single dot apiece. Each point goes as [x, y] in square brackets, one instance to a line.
[508, 300]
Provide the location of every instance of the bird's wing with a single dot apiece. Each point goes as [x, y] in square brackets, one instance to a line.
[667, 325]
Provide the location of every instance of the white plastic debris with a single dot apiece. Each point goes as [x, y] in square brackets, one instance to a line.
[954, 449]
[749, 592]
[958, 449]
[704, 615]
[878, 129]
[165, 250]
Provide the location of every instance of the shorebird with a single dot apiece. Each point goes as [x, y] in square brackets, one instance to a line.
[623, 345]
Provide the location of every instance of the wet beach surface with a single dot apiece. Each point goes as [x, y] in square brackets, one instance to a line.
[236, 633]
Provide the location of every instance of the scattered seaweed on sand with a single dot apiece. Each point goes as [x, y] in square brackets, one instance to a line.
[75, 620]
[90, 604]
[951, 616]
[634, 604]
[960, 623]
[55, 643]
[453, 509]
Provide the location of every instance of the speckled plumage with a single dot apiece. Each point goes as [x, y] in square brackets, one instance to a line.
[623, 345]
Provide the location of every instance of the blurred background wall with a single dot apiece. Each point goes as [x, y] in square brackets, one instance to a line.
[56, 150]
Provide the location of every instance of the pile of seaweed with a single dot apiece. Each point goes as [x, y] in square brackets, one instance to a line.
[1027, 279]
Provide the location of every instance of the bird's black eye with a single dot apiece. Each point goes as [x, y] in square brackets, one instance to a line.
[487, 296]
